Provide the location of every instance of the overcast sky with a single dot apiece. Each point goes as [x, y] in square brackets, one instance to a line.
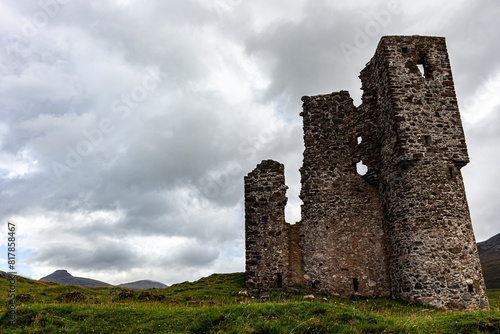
[127, 126]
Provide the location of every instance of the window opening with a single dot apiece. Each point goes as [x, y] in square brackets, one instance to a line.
[404, 49]
[451, 171]
[423, 66]
[359, 139]
[280, 280]
[421, 69]
[470, 287]
[361, 168]
[427, 140]
[355, 284]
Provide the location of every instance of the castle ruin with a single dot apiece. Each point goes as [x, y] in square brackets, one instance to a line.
[403, 229]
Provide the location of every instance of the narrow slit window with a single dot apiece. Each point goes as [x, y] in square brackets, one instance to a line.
[427, 140]
[451, 171]
[280, 280]
[421, 69]
[355, 284]
[470, 287]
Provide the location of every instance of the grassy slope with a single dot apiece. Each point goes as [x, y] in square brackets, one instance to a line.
[491, 272]
[212, 305]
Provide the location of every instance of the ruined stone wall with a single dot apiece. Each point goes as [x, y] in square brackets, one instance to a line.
[342, 219]
[402, 229]
[433, 257]
[266, 239]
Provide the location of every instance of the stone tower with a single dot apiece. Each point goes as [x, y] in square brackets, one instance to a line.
[403, 229]
[265, 227]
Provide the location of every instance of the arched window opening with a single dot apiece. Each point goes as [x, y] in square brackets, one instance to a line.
[361, 168]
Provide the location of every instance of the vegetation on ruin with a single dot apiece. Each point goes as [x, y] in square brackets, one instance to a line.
[214, 305]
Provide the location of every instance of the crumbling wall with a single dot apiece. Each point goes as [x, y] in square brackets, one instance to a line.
[402, 229]
[433, 257]
[266, 238]
[342, 219]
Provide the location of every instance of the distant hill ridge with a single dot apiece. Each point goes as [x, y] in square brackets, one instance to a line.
[489, 253]
[64, 277]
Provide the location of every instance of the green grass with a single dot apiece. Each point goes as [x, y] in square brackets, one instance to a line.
[212, 305]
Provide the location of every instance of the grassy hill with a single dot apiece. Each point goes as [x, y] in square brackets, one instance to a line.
[489, 253]
[213, 305]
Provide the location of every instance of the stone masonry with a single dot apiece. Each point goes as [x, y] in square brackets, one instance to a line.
[402, 229]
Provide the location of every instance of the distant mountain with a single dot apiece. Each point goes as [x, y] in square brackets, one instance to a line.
[65, 278]
[489, 253]
[142, 285]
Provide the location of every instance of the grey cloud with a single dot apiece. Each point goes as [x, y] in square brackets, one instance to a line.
[191, 254]
[106, 256]
[480, 177]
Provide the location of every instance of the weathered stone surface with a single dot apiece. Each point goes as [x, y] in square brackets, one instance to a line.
[402, 229]
[265, 227]
[342, 220]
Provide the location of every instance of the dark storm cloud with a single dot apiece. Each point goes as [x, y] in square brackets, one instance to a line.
[305, 56]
